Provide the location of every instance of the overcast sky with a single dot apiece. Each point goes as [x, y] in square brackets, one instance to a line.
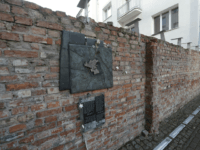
[68, 6]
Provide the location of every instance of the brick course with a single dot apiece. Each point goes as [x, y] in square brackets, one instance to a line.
[35, 114]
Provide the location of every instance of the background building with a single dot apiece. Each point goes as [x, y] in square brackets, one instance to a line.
[177, 18]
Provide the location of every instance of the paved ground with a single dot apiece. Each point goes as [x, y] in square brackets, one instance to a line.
[187, 139]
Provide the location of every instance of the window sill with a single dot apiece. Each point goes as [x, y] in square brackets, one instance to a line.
[164, 31]
[107, 18]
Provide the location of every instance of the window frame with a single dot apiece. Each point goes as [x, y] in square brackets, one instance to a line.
[156, 31]
[168, 19]
[105, 11]
[177, 18]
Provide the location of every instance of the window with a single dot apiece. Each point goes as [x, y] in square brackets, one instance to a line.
[157, 24]
[165, 21]
[133, 29]
[162, 21]
[107, 12]
[174, 18]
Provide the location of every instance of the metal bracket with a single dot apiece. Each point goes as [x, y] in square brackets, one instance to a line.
[179, 40]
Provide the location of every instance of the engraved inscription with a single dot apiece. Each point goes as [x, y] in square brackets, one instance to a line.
[89, 112]
[99, 105]
[100, 109]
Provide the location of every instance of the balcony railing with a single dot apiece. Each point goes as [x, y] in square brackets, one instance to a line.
[128, 6]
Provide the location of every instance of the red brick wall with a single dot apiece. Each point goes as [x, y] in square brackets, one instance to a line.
[34, 114]
[172, 80]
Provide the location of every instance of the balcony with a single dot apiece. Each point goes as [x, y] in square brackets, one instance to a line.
[127, 12]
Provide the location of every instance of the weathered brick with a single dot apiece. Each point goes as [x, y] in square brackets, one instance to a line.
[40, 129]
[4, 113]
[37, 39]
[40, 31]
[102, 24]
[49, 25]
[39, 92]
[53, 104]
[9, 145]
[18, 10]
[66, 21]
[53, 62]
[39, 142]
[72, 107]
[58, 42]
[6, 17]
[114, 33]
[23, 20]
[31, 5]
[37, 107]
[2, 105]
[38, 122]
[97, 29]
[41, 69]
[46, 11]
[55, 69]
[19, 28]
[19, 86]
[4, 71]
[78, 24]
[19, 110]
[26, 117]
[61, 147]
[6, 96]
[16, 53]
[52, 97]
[49, 112]
[60, 13]
[51, 119]
[51, 76]
[34, 46]
[53, 90]
[106, 31]
[49, 84]
[107, 42]
[120, 39]
[17, 128]
[88, 33]
[2, 25]
[2, 45]
[15, 2]
[54, 33]
[65, 133]
[9, 36]
[2, 88]
[27, 140]
[20, 148]
[4, 7]
[102, 36]
[24, 93]
[34, 76]
[57, 130]
[22, 70]
[20, 62]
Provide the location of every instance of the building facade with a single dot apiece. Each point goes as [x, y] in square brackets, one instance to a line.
[175, 19]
